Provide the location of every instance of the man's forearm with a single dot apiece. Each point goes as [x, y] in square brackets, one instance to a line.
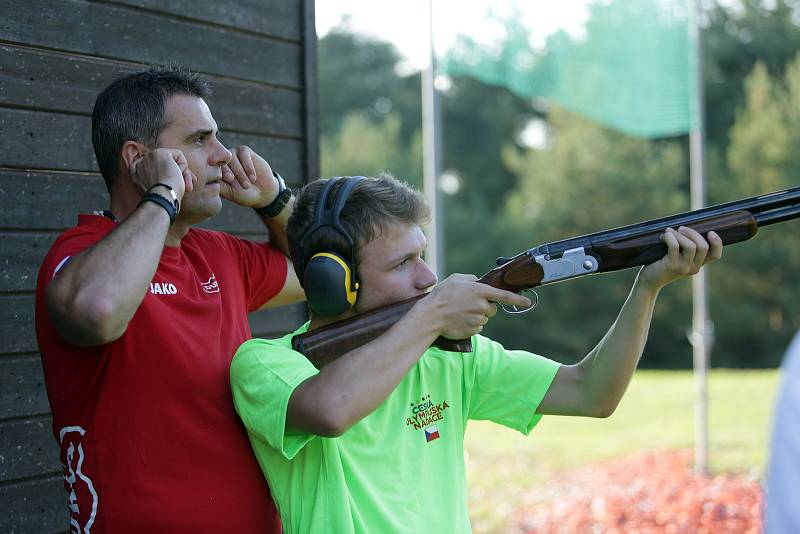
[608, 368]
[594, 386]
[276, 226]
[354, 385]
[95, 295]
[351, 387]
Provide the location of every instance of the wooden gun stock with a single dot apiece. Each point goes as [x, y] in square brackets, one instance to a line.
[324, 345]
[607, 251]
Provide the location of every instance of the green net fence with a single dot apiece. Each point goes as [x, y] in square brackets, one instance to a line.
[630, 65]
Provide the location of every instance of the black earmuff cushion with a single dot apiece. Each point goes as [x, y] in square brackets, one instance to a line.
[326, 282]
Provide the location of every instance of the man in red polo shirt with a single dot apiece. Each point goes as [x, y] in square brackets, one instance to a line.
[138, 315]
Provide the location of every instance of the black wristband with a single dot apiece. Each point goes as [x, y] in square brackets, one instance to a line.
[171, 192]
[163, 202]
[276, 206]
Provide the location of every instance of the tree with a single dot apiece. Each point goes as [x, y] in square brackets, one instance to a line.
[361, 74]
[757, 283]
[480, 122]
[362, 147]
[735, 37]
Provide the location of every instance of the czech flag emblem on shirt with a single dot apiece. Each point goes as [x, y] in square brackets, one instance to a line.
[431, 433]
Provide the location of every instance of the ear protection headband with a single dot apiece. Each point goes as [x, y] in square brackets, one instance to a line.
[329, 280]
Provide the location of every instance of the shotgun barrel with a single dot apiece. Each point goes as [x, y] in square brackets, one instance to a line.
[610, 250]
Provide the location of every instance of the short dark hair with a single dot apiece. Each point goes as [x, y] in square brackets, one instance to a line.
[132, 109]
[373, 204]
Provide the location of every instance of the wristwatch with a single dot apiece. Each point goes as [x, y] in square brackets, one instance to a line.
[276, 206]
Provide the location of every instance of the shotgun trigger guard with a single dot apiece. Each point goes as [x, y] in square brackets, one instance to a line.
[514, 310]
[573, 262]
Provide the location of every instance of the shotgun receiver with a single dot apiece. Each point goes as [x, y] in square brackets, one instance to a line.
[611, 250]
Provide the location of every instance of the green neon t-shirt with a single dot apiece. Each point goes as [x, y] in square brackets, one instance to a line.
[401, 468]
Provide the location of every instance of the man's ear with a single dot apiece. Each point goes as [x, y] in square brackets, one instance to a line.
[131, 151]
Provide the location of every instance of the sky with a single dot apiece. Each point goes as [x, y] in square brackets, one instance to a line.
[406, 23]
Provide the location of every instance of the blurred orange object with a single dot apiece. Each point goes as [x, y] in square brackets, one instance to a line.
[652, 492]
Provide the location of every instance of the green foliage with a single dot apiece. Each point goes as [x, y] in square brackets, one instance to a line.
[476, 135]
[757, 284]
[575, 184]
[362, 147]
[735, 37]
[361, 74]
[480, 121]
[763, 151]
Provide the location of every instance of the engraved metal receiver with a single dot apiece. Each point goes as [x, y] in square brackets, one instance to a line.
[572, 263]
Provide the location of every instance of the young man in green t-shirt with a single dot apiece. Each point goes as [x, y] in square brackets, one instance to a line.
[373, 442]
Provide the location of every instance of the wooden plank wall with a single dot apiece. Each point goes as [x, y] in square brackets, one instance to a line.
[260, 57]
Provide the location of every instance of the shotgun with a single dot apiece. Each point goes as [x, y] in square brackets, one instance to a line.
[601, 252]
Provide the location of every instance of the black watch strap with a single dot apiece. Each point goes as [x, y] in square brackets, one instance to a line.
[276, 206]
[168, 206]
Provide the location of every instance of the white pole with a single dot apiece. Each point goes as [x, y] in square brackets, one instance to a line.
[431, 156]
[702, 328]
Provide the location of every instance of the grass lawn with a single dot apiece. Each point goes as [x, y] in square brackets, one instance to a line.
[656, 413]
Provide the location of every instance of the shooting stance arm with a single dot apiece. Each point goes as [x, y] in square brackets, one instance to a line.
[355, 384]
[594, 386]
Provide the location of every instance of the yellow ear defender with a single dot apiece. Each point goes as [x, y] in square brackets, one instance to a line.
[330, 280]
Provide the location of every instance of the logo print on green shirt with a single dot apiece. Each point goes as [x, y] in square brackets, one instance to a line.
[424, 415]
[431, 433]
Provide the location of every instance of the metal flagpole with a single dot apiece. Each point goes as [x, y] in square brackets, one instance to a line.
[702, 328]
[431, 156]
